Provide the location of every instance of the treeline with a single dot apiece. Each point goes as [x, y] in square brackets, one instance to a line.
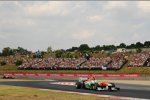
[85, 47]
[82, 48]
[7, 51]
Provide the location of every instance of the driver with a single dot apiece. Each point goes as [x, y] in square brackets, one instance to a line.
[91, 78]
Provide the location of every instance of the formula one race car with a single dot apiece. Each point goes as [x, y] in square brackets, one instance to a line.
[92, 84]
[8, 77]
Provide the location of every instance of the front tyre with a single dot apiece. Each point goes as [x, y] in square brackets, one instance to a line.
[118, 88]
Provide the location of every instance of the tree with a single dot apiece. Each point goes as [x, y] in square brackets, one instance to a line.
[59, 53]
[97, 48]
[7, 51]
[106, 47]
[139, 45]
[68, 55]
[77, 55]
[122, 45]
[138, 50]
[84, 47]
[147, 44]
[18, 62]
[21, 50]
[42, 54]
[49, 51]
[112, 47]
[132, 45]
[72, 49]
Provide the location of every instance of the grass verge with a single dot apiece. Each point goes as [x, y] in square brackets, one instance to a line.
[21, 93]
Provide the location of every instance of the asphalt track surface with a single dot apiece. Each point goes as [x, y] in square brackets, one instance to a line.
[127, 90]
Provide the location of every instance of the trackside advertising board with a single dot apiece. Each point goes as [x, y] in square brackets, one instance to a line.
[75, 75]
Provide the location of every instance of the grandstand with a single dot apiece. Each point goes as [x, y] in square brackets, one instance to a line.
[140, 59]
[115, 62]
[110, 62]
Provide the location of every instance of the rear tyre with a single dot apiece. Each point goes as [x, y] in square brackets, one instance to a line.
[109, 88]
[78, 85]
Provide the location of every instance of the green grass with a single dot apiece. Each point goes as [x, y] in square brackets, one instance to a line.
[145, 71]
[21, 93]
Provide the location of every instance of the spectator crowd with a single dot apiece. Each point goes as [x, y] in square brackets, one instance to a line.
[52, 63]
[73, 63]
[117, 62]
[140, 59]
[95, 63]
[114, 62]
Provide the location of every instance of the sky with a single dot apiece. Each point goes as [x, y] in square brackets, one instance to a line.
[36, 25]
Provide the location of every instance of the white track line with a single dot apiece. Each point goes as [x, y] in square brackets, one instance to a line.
[49, 80]
[64, 83]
